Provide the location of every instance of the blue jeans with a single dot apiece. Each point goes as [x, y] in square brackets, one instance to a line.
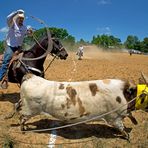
[6, 59]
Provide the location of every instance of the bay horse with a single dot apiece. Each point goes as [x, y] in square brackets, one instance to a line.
[33, 59]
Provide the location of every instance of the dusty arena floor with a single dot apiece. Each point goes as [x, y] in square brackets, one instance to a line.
[96, 64]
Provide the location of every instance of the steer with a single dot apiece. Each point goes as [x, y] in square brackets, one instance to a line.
[73, 102]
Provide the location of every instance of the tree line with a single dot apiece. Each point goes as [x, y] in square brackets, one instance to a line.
[104, 41]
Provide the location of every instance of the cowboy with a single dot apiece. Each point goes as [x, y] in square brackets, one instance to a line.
[16, 33]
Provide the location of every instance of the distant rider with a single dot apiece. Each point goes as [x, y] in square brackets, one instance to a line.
[80, 52]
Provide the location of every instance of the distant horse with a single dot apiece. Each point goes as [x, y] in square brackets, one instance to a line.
[32, 60]
[79, 54]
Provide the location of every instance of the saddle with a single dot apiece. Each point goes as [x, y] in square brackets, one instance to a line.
[15, 61]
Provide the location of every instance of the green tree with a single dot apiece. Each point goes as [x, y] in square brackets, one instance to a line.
[59, 33]
[106, 41]
[2, 47]
[113, 41]
[144, 45]
[82, 42]
[96, 40]
[131, 42]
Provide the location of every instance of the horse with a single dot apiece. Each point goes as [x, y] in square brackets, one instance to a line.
[33, 59]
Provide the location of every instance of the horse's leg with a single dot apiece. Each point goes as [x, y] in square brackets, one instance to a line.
[80, 57]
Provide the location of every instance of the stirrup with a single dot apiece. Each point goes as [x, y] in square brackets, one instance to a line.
[4, 85]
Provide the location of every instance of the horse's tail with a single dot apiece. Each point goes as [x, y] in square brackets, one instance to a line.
[17, 107]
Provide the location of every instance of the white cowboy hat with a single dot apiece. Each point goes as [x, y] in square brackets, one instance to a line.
[21, 15]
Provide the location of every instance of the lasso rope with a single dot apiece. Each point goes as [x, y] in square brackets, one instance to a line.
[50, 42]
[48, 32]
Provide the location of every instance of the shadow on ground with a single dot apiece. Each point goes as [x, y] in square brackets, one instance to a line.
[75, 132]
[10, 97]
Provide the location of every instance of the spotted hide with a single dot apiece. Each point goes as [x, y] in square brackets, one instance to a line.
[75, 101]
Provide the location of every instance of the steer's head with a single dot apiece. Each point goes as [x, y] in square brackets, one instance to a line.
[137, 95]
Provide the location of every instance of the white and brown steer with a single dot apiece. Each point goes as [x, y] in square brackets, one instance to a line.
[72, 102]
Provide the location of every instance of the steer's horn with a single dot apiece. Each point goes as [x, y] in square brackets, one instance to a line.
[145, 78]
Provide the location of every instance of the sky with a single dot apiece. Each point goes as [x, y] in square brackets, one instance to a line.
[83, 18]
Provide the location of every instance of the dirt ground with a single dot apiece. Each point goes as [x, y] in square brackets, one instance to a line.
[95, 64]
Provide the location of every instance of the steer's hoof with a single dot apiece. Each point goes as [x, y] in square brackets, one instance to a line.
[126, 136]
[22, 129]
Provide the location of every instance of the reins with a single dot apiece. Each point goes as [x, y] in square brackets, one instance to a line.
[49, 64]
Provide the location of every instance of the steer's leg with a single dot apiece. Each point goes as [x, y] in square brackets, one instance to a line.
[132, 118]
[23, 119]
[119, 125]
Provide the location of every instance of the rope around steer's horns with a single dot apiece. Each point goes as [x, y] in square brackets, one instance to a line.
[50, 42]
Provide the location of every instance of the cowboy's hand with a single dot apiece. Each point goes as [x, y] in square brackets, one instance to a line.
[20, 11]
[29, 32]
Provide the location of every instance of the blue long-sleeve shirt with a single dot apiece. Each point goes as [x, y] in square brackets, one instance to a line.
[16, 33]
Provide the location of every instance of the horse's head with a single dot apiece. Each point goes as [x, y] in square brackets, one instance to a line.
[58, 49]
